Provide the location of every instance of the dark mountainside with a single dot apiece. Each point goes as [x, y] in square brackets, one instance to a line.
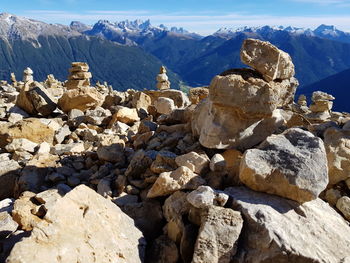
[315, 58]
[338, 85]
[124, 67]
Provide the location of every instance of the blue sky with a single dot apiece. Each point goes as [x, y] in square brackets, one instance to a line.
[201, 16]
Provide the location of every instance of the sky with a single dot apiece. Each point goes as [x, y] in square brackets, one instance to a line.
[200, 16]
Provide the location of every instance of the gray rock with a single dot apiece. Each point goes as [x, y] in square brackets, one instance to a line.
[21, 145]
[198, 163]
[7, 225]
[75, 113]
[56, 177]
[281, 230]
[163, 250]
[164, 105]
[139, 163]
[113, 153]
[125, 199]
[218, 236]
[73, 181]
[292, 165]
[217, 163]
[71, 148]
[62, 134]
[164, 162]
[104, 187]
[205, 197]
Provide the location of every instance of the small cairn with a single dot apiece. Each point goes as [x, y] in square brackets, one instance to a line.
[13, 78]
[321, 106]
[302, 102]
[162, 79]
[79, 76]
[302, 105]
[51, 82]
[28, 75]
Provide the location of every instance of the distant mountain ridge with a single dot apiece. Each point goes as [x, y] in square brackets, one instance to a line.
[323, 31]
[137, 48]
[133, 32]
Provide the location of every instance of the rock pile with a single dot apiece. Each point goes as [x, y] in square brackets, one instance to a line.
[238, 173]
[243, 105]
[321, 106]
[79, 94]
[79, 76]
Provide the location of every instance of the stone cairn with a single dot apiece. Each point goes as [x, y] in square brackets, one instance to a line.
[302, 102]
[13, 78]
[51, 82]
[28, 75]
[321, 106]
[244, 98]
[175, 179]
[79, 76]
[162, 79]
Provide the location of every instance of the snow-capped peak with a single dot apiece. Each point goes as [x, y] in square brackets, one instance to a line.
[327, 30]
[16, 27]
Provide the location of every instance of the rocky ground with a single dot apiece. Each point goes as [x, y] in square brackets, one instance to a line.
[236, 172]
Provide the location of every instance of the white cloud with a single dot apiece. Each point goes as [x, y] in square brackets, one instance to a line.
[203, 23]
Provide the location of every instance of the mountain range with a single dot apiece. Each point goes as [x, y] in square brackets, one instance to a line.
[128, 54]
[338, 85]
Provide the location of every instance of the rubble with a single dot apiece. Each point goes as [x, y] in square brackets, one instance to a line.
[169, 177]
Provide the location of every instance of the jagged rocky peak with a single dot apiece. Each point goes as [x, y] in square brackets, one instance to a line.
[325, 29]
[130, 32]
[79, 26]
[16, 27]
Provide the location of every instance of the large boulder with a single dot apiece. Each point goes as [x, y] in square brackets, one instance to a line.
[74, 229]
[196, 162]
[251, 96]
[170, 182]
[180, 99]
[292, 165]
[21, 145]
[267, 59]
[33, 129]
[337, 143]
[124, 115]
[220, 127]
[281, 230]
[82, 98]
